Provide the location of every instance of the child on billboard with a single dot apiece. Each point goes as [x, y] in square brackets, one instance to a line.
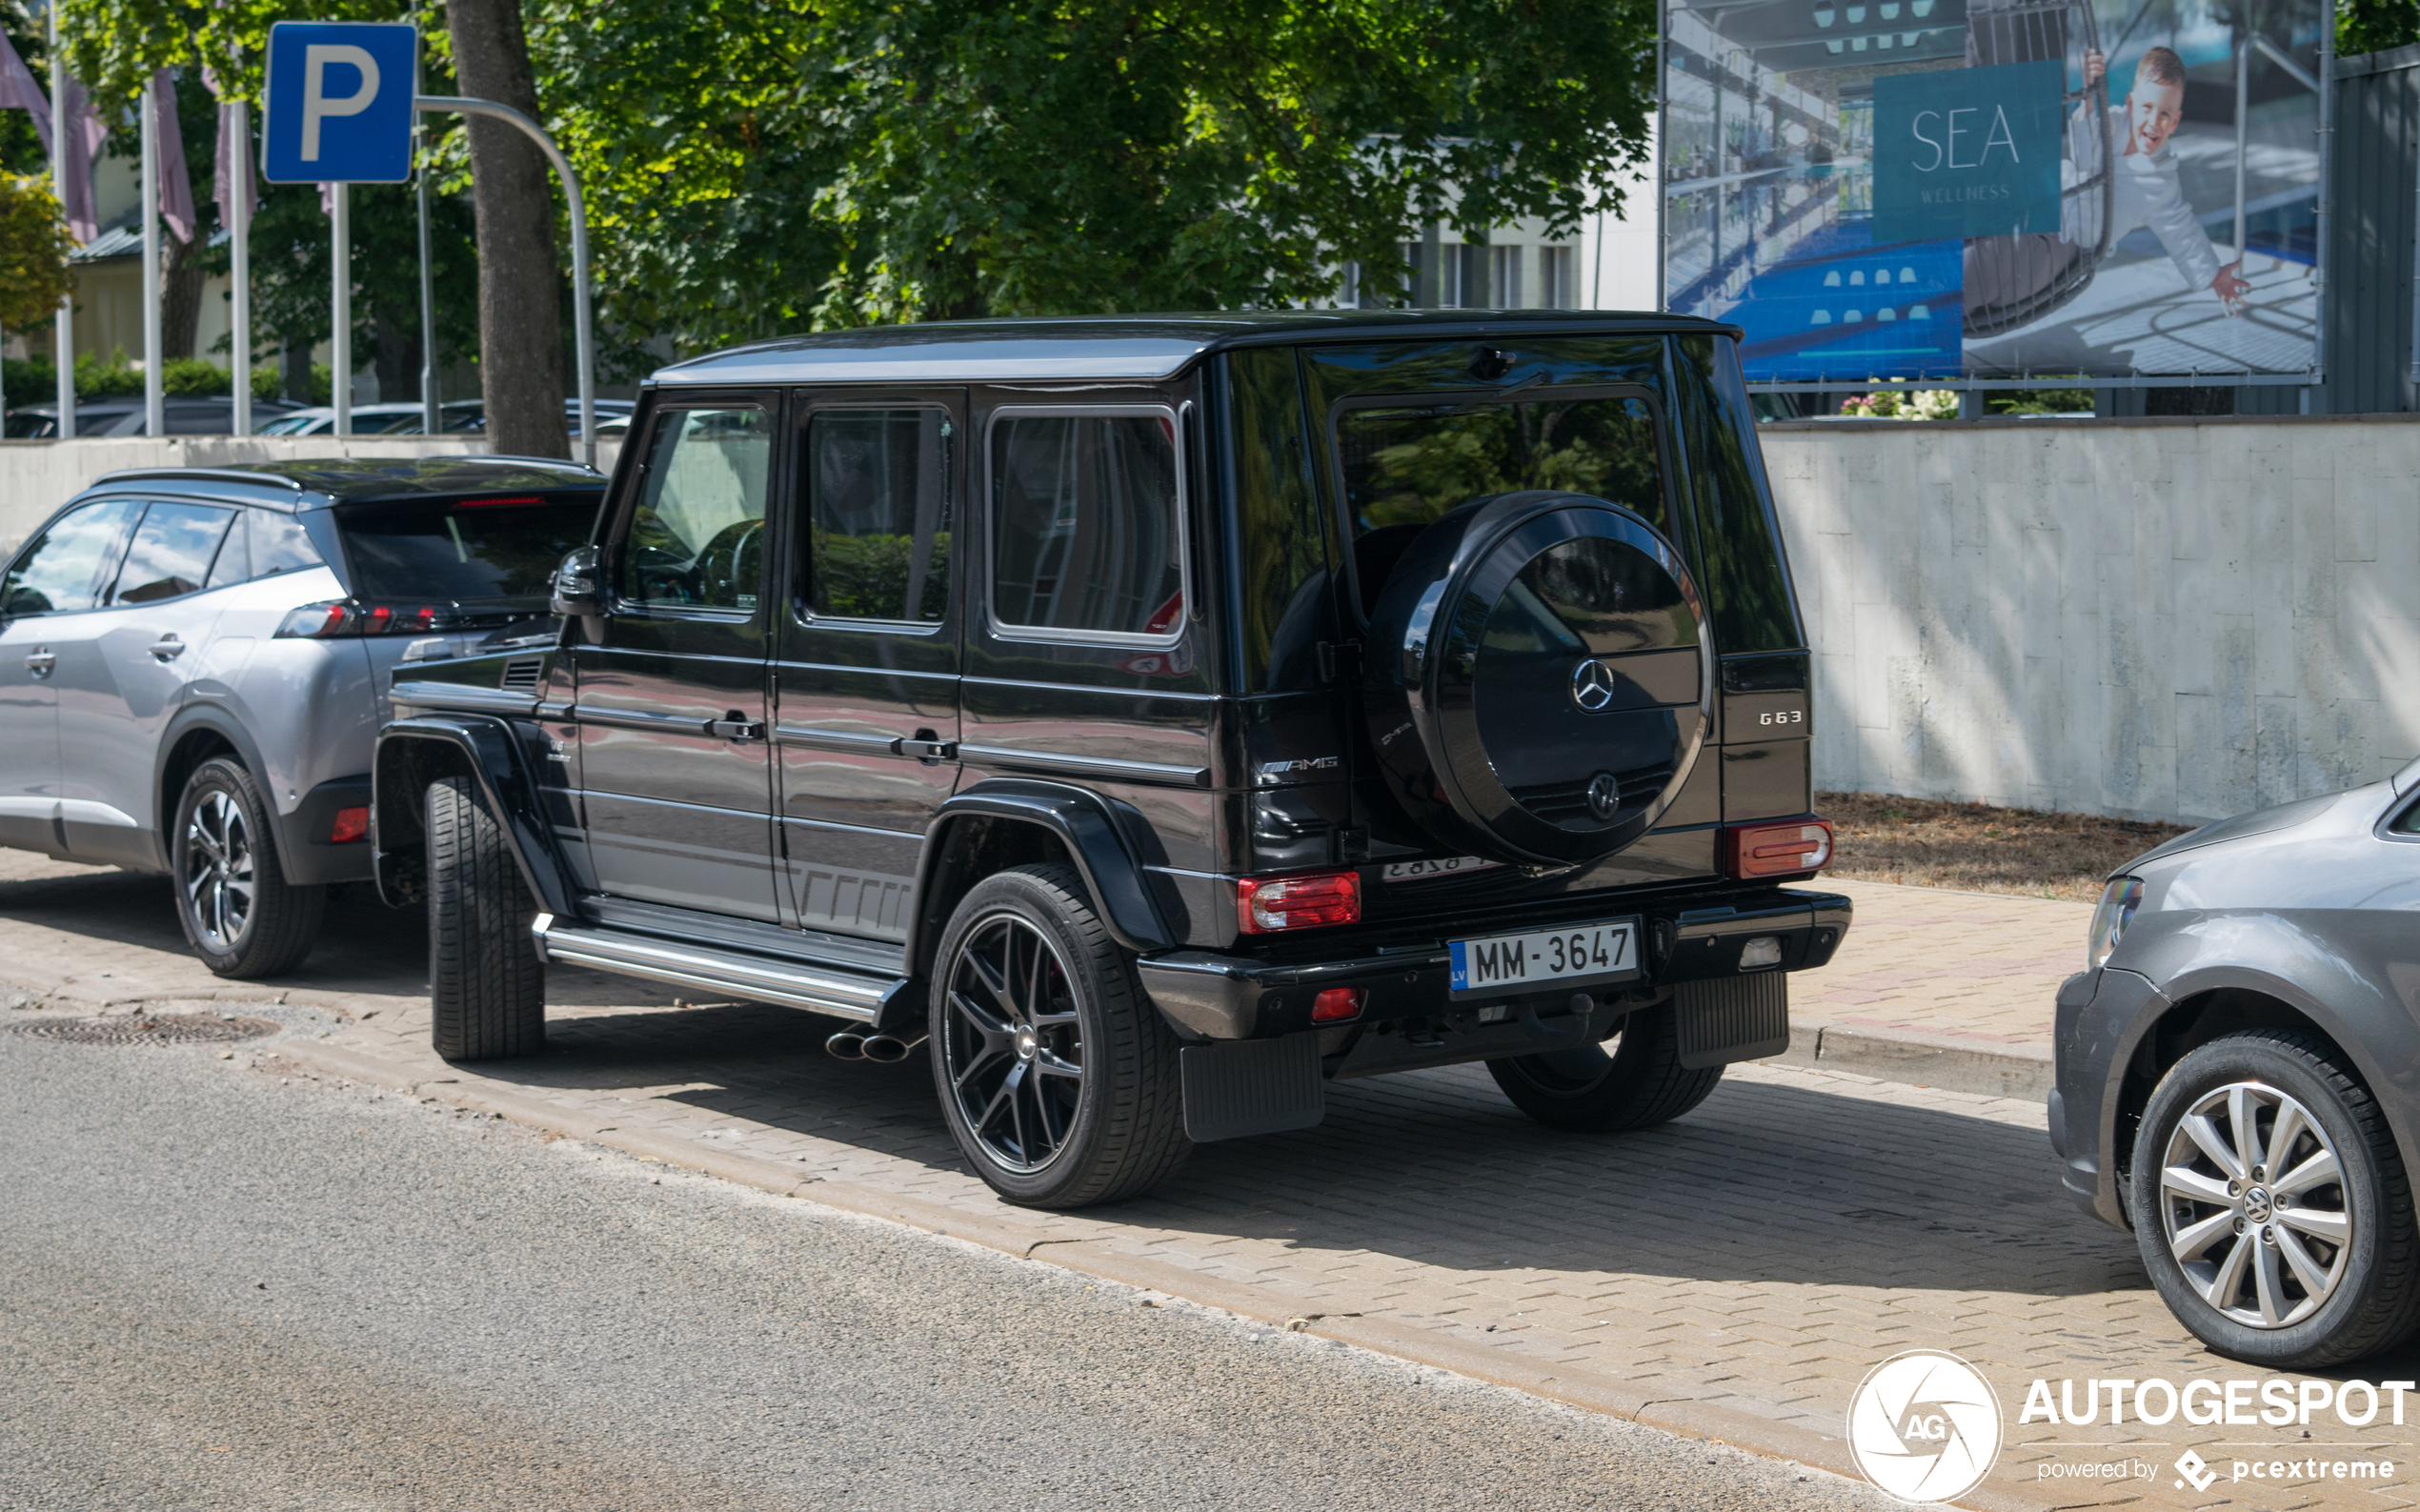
[2148, 190]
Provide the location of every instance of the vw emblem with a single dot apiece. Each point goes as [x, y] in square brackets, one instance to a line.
[1605, 792]
[1592, 686]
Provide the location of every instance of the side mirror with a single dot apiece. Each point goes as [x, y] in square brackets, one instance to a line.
[579, 590]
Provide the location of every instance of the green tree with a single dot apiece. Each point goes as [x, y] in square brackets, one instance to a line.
[2373, 26]
[34, 254]
[759, 166]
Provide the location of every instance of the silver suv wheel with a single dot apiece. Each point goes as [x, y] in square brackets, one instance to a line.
[218, 871]
[2252, 1206]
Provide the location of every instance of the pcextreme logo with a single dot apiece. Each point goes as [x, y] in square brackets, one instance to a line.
[1925, 1426]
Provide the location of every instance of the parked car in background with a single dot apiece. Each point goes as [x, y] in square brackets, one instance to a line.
[1152, 720]
[193, 665]
[2235, 1074]
[456, 416]
[119, 417]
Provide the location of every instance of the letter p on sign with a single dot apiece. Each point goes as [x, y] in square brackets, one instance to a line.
[339, 103]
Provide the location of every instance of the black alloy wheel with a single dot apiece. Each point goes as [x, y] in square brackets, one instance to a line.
[1058, 1075]
[240, 914]
[1633, 1080]
[1015, 1046]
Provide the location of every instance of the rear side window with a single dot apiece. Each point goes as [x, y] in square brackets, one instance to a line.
[278, 544]
[696, 538]
[171, 553]
[462, 550]
[65, 568]
[879, 515]
[1087, 536]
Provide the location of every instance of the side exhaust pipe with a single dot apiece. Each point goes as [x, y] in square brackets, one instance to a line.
[846, 1045]
[889, 1049]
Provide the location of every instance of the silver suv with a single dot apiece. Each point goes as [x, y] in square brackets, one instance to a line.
[193, 665]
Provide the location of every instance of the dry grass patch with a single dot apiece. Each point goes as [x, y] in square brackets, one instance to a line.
[1925, 842]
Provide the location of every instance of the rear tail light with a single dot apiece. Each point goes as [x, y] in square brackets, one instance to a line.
[345, 616]
[1336, 1004]
[1777, 849]
[1265, 905]
[351, 824]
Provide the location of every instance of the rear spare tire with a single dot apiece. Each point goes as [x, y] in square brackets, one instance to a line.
[1541, 678]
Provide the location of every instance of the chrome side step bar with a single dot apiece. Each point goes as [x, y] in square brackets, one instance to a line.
[756, 978]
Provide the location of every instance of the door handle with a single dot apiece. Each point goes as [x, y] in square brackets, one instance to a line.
[925, 748]
[736, 728]
[39, 661]
[168, 648]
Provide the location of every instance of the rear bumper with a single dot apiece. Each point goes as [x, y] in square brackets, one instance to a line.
[309, 857]
[1210, 996]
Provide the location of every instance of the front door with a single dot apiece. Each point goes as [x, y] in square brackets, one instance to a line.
[50, 588]
[866, 669]
[122, 673]
[671, 705]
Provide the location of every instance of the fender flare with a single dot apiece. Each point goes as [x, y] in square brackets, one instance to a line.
[1085, 824]
[489, 748]
[209, 715]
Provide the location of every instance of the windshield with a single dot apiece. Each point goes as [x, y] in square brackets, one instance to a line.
[1407, 466]
[456, 551]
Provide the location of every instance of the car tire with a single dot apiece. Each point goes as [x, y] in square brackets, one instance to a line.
[487, 984]
[1634, 1080]
[1058, 1077]
[240, 914]
[2329, 1274]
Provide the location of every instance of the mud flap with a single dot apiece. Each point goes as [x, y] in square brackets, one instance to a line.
[1241, 1087]
[1744, 1018]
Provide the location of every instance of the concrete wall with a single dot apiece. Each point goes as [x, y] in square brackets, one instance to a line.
[38, 476]
[2162, 618]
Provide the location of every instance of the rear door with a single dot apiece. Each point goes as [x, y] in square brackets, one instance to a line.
[48, 597]
[866, 672]
[675, 754]
[122, 672]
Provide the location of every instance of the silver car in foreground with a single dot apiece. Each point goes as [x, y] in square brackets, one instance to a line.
[193, 666]
[2239, 1074]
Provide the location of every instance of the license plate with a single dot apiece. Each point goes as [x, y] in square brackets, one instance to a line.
[1582, 952]
[1443, 866]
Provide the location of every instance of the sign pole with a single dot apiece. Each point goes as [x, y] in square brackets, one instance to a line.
[340, 307]
[63, 327]
[155, 391]
[428, 306]
[239, 239]
[584, 345]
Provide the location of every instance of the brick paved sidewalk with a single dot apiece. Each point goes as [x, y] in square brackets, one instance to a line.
[1732, 1275]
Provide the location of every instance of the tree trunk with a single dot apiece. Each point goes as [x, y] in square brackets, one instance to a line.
[520, 288]
[181, 302]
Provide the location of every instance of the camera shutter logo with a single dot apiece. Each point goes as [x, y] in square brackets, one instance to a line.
[1925, 1426]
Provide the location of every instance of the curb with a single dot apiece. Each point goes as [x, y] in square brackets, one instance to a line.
[1016, 1232]
[1950, 1062]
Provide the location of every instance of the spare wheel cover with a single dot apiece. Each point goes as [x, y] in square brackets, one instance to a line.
[1559, 674]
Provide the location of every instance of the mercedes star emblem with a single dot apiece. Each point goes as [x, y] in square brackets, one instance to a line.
[1592, 686]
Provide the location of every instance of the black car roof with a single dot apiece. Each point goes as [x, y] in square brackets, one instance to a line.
[316, 482]
[1139, 347]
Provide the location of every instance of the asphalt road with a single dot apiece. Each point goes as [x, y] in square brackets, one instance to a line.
[219, 1291]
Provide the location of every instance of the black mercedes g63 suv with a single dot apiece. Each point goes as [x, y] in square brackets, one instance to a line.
[1153, 719]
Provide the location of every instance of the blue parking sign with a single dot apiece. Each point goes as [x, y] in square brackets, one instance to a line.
[340, 102]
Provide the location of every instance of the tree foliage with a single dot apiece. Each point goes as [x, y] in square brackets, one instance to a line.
[759, 166]
[33, 253]
[2373, 26]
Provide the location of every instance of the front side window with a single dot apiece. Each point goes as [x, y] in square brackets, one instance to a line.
[879, 515]
[696, 538]
[1087, 535]
[1407, 465]
[171, 553]
[63, 570]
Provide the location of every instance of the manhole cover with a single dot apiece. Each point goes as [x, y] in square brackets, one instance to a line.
[156, 1029]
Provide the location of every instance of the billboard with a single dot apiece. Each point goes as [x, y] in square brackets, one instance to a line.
[1996, 189]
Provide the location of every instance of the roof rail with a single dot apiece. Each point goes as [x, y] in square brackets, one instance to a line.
[223, 473]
